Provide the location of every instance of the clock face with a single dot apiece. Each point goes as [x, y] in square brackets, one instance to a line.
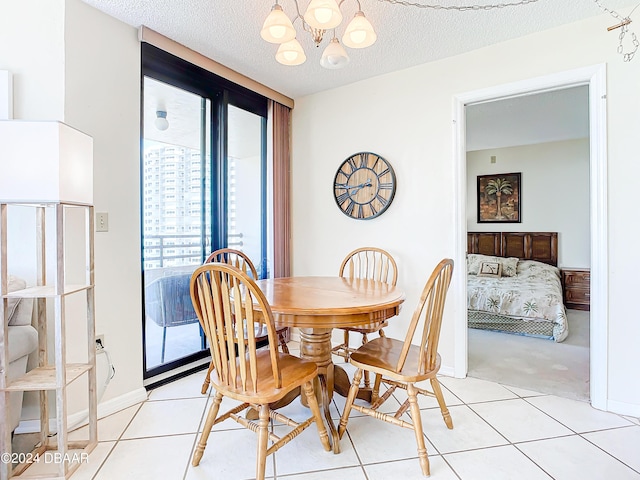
[364, 186]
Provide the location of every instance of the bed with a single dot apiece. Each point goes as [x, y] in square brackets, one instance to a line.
[513, 284]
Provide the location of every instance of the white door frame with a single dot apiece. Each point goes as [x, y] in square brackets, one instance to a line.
[595, 77]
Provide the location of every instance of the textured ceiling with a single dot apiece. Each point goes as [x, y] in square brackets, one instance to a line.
[528, 119]
[228, 31]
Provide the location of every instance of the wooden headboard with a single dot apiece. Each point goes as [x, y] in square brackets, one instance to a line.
[539, 246]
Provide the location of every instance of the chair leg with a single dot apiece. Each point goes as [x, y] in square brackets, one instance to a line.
[417, 428]
[435, 385]
[263, 437]
[375, 391]
[347, 354]
[211, 417]
[353, 391]
[312, 401]
[367, 383]
[164, 341]
[207, 379]
[283, 343]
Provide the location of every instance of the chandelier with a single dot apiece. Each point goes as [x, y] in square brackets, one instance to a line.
[320, 16]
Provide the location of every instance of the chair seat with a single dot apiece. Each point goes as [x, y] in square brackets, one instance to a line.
[295, 372]
[381, 356]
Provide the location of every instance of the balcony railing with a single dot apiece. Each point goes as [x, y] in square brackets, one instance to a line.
[159, 255]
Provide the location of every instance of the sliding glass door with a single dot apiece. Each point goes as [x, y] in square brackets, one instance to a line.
[246, 195]
[203, 187]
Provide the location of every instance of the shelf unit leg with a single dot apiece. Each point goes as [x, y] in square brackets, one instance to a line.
[5, 432]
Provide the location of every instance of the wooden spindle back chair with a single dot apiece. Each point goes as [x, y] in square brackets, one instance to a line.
[235, 258]
[240, 260]
[401, 364]
[222, 294]
[374, 264]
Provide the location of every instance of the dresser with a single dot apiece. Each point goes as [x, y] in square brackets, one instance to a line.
[576, 288]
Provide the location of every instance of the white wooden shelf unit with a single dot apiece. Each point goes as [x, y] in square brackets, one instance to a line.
[51, 376]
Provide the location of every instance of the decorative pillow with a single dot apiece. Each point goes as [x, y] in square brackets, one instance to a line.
[509, 264]
[490, 269]
[14, 283]
[473, 262]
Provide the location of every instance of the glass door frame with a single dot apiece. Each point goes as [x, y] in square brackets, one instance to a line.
[169, 69]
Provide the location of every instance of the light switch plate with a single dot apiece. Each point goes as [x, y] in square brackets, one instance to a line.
[102, 222]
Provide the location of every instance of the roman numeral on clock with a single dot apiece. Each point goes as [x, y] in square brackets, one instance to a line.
[342, 198]
[349, 209]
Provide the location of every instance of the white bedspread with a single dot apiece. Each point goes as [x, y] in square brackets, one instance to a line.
[533, 294]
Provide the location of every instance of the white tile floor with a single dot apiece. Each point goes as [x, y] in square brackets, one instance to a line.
[499, 433]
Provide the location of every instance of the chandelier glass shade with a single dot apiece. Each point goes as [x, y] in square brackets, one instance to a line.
[290, 53]
[323, 14]
[277, 27]
[359, 32]
[320, 16]
[334, 56]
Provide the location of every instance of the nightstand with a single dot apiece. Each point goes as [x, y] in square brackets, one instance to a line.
[576, 284]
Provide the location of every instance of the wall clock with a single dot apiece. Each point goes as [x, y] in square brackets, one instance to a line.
[364, 186]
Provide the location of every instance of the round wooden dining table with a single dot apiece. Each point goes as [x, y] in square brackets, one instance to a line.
[316, 305]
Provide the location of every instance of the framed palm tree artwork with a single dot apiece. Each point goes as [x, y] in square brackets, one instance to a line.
[499, 198]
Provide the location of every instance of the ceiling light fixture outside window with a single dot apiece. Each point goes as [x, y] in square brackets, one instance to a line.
[161, 121]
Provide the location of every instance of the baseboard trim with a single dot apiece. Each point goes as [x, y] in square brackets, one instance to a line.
[80, 419]
[623, 408]
[447, 371]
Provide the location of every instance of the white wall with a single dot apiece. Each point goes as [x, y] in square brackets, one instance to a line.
[32, 48]
[75, 64]
[102, 98]
[33, 52]
[406, 117]
[554, 193]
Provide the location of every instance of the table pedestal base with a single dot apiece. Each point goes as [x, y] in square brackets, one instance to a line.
[315, 345]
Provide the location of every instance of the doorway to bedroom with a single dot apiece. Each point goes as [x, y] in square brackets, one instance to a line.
[555, 199]
[544, 139]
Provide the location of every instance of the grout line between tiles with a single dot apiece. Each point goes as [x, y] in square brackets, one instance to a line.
[602, 449]
[533, 461]
[205, 412]
[115, 443]
[105, 459]
[360, 462]
[353, 445]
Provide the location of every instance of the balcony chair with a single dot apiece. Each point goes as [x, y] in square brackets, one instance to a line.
[168, 304]
[240, 260]
[401, 364]
[375, 264]
[255, 377]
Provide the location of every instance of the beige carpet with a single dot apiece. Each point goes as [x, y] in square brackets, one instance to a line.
[532, 363]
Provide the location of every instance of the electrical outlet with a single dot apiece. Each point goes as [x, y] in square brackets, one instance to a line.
[102, 222]
[100, 339]
[493, 159]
